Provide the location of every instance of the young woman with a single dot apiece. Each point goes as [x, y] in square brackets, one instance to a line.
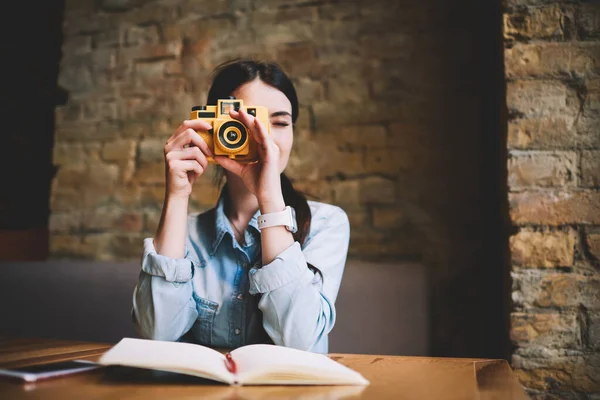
[220, 278]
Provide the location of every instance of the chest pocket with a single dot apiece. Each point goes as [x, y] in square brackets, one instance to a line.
[203, 327]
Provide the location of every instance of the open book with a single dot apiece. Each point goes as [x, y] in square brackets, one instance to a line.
[256, 364]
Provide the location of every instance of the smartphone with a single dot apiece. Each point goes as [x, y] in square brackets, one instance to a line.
[35, 373]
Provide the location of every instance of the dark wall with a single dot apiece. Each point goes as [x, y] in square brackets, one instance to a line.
[470, 294]
[494, 256]
[31, 47]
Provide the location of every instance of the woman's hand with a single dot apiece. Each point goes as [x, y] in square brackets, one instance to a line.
[262, 177]
[185, 157]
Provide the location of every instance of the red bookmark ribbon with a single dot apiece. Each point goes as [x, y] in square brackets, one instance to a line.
[230, 364]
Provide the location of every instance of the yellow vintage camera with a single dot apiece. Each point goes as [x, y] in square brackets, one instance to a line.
[230, 137]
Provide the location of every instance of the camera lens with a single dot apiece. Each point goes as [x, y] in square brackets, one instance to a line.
[232, 136]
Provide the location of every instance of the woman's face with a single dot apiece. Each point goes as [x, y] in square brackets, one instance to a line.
[258, 93]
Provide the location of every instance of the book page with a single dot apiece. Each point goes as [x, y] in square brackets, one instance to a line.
[267, 364]
[185, 358]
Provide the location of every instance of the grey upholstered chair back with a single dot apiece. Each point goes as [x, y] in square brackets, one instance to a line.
[381, 307]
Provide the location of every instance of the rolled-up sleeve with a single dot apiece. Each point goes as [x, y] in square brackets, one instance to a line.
[298, 307]
[172, 269]
[163, 304]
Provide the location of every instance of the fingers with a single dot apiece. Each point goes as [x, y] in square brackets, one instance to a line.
[194, 124]
[259, 131]
[197, 140]
[185, 166]
[229, 164]
[188, 137]
[190, 153]
[267, 148]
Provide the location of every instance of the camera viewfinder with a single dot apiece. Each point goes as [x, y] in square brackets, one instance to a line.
[229, 105]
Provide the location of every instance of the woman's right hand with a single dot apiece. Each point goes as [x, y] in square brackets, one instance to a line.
[185, 157]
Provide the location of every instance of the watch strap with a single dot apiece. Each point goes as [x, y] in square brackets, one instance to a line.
[276, 219]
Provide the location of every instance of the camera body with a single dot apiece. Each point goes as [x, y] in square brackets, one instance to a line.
[230, 137]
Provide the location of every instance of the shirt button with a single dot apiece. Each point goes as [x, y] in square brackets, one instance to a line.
[237, 331]
[240, 296]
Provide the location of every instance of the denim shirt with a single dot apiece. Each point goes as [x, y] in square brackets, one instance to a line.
[218, 295]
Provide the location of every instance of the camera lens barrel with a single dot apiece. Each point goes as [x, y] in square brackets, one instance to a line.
[229, 137]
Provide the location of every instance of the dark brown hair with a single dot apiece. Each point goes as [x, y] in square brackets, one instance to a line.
[229, 76]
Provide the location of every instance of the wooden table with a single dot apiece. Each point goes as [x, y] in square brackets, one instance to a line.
[391, 377]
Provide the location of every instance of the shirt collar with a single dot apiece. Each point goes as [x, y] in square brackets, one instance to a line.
[222, 224]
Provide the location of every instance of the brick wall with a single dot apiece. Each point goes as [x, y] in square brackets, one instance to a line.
[552, 62]
[390, 129]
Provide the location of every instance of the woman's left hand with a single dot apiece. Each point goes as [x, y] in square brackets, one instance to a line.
[262, 177]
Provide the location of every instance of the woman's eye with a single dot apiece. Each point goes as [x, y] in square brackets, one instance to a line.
[280, 123]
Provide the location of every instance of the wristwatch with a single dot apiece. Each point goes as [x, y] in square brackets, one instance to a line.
[287, 218]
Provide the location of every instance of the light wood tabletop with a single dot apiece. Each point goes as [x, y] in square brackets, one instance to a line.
[391, 377]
